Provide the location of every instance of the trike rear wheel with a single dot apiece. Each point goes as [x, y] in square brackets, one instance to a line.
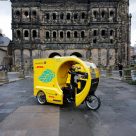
[93, 102]
[41, 98]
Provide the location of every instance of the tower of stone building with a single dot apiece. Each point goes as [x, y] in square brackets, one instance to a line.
[97, 29]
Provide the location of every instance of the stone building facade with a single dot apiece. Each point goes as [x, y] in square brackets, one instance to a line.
[96, 29]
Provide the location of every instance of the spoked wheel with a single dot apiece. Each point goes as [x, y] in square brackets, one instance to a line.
[93, 102]
[41, 98]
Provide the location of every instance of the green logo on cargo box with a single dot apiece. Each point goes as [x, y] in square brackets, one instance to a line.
[47, 76]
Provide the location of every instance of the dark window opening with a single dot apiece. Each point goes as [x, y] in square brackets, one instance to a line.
[95, 33]
[111, 41]
[17, 13]
[82, 34]
[83, 15]
[68, 16]
[47, 16]
[68, 34]
[61, 16]
[94, 40]
[75, 34]
[76, 54]
[75, 16]
[103, 32]
[18, 34]
[34, 13]
[54, 16]
[54, 54]
[54, 34]
[103, 14]
[47, 35]
[95, 13]
[111, 32]
[111, 13]
[34, 34]
[26, 13]
[61, 34]
[26, 33]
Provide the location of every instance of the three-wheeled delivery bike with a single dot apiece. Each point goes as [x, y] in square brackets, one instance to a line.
[66, 79]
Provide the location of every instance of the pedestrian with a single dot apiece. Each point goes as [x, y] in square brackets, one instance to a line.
[120, 67]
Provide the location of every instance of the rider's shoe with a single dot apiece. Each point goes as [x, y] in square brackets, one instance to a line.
[69, 100]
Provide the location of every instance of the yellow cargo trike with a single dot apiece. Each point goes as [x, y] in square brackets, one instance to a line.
[66, 79]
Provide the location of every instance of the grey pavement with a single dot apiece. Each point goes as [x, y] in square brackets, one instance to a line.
[12, 77]
[115, 74]
[21, 115]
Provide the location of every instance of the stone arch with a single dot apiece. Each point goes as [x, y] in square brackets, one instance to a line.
[112, 57]
[54, 54]
[94, 56]
[36, 54]
[17, 55]
[26, 56]
[77, 54]
[103, 57]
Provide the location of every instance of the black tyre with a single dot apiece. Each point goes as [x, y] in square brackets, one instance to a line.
[41, 98]
[93, 102]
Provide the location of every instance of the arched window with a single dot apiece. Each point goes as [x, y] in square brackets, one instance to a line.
[54, 34]
[95, 40]
[47, 16]
[103, 33]
[94, 32]
[103, 14]
[83, 15]
[111, 32]
[61, 34]
[26, 13]
[62, 16]
[111, 41]
[34, 34]
[54, 16]
[68, 34]
[75, 34]
[111, 13]
[47, 35]
[68, 16]
[82, 34]
[95, 13]
[18, 32]
[75, 16]
[34, 13]
[17, 13]
[26, 34]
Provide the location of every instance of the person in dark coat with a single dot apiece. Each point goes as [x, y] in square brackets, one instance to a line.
[120, 67]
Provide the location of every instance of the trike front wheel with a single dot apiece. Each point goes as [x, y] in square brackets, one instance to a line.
[93, 102]
[41, 98]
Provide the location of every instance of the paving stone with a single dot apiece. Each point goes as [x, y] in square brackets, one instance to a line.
[13, 133]
[39, 109]
[37, 120]
[6, 110]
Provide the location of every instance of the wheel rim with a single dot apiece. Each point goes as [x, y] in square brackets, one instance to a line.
[93, 102]
[41, 98]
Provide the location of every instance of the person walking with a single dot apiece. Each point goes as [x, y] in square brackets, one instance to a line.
[120, 66]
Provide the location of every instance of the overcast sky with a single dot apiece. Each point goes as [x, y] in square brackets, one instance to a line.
[5, 19]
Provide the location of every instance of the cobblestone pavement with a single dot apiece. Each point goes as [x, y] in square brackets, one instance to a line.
[20, 115]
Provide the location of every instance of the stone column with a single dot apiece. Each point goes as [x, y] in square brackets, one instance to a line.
[3, 77]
